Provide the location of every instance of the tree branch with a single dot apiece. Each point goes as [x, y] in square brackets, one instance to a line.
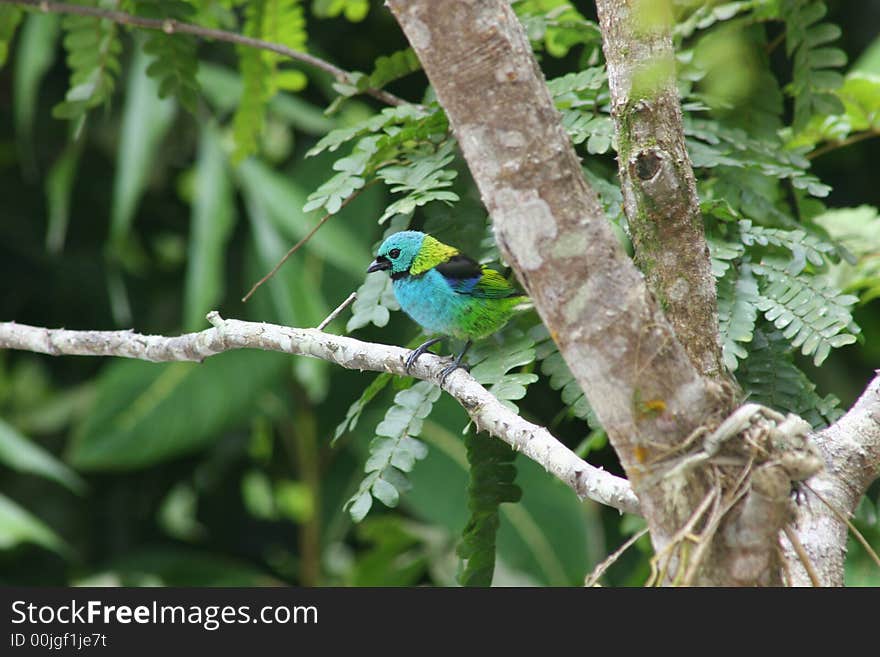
[851, 451]
[487, 413]
[656, 177]
[171, 26]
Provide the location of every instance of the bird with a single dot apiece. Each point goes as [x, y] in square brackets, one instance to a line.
[445, 292]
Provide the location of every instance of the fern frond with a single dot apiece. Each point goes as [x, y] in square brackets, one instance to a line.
[279, 21]
[492, 361]
[706, 15]
[378, 123]
[803, 246]
[395, 450]
[354, 411]
[556, 25]
[713, 144]
[813, 78]
[93, 49]
[492, 476]
[423, 177]
[251, 112]
[810, 312]
[283, 22]
[175, 63]
[722, 254]
[375, 300]
[770, 377]
[354, 10]
[351, 177]
[389, 68]
[737, 313]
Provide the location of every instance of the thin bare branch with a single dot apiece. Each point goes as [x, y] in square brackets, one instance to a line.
[834, 145]
[296, 247]
[171, 26]
[487, 413]
[342, 306]
[593, 578]
[802, 555]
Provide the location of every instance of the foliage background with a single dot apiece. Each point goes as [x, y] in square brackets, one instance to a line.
[224, 473]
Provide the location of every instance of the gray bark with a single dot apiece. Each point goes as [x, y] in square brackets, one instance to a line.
[484, 409]
[550, 227]
[850, 449]
[656, 177]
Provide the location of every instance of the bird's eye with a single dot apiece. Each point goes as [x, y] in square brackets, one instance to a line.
[393, 253]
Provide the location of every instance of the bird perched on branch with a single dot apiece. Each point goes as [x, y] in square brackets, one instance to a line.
[445, 291]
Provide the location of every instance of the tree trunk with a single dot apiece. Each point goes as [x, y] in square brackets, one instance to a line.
[549, 225]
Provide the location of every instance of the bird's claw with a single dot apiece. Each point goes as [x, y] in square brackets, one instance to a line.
[418, 351]
[449, 369]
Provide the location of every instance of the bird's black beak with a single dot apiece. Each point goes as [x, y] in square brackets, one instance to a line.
[379, 264]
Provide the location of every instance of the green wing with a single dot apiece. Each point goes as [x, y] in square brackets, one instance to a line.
[492, 285]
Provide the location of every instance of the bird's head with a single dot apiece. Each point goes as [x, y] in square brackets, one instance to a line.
[397, 253]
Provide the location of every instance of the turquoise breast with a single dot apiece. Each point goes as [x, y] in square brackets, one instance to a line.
[429, 301]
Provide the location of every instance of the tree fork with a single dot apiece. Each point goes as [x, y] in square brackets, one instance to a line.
[550, 227]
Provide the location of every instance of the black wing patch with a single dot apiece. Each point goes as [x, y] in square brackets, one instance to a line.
[460, 267]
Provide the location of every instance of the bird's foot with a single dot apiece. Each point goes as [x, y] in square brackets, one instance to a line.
[456, 364]
[449, 369]
[418, 351]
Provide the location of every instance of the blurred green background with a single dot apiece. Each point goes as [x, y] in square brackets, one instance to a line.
[222, 473]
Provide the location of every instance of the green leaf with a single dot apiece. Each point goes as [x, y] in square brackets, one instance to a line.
[858, 230]
[545, 539]
[389, 68]
[36, 54]
[9, 19]
[277, 21]
[147, 413]
[354, 10]
[145, 121]
[375, 300]
[809, 311]
[294, 290]
[360, 507]
[860, 95]
[422, 178]
[18, 526]
[175, 62]
[556, 26]
[335, 192]
[737, 313]
[281, 196]
[223, 88]
[812, 79]
[394, 450]
[59, 189]
[93, 47]
[354, 411]
[492, 476]
[388, 117]
[770, 377]
[212, 220]
[493, 359]
[23, 455]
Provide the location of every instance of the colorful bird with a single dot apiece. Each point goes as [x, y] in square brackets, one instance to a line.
[445, 291]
